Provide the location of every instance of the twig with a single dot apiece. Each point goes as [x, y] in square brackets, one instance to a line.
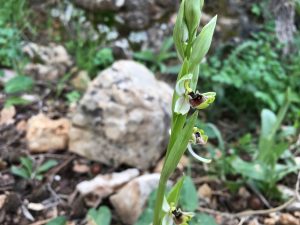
[40, 222]
[297, 187]
[260, 196]
[243, 220]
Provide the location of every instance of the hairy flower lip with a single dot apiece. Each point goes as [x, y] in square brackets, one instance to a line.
[196, 99]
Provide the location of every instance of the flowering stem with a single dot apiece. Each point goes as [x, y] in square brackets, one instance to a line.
[159, 200]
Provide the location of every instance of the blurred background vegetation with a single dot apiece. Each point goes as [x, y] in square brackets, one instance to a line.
[254, 70]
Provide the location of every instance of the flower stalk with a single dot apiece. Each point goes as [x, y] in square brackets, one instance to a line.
[191, 47]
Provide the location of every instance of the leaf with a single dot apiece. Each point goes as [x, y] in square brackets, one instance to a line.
[251, 170]
[20, 171]
[268, 120]
[46, 166]
[10, 101]
[61, 220]
[202, 43]
[18, 84]
[27, 163]
[145, 56]
[174, 194]
[101, 216]
[216, 132]
[189, 197]
[203, 219]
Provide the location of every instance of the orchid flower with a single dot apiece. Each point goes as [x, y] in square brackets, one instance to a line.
[174, 215]
[187, 98]
[198, 137]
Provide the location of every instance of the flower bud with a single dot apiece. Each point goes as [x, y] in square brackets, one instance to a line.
[180, 33]
[192, 14]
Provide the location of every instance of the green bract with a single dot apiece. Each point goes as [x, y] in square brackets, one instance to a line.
[203, 42]
[191, 49]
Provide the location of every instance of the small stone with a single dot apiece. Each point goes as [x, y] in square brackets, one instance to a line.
[45, 134]
[130, 201]
[81, 81]
[270, 221]
[21, 126]
[244, 193]
[205, 191]
[7, 115]
[288, 219]
[104, 185]
[80, 168]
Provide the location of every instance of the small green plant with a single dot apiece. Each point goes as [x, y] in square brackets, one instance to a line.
[191, 48]
[100, 216]
[73, 97]
[60, 220]
[157, 61]
[103, 58]
[28, 170]
[265, 170]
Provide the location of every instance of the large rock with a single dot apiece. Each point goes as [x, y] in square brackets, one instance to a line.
[123, 118]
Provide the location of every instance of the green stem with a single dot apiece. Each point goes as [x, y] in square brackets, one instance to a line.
[159, 200]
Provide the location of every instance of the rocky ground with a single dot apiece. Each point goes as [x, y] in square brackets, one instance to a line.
[107, 148]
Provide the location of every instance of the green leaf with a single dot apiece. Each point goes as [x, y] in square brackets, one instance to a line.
[189, 197]
[10, 101]
[61, 220]
[203, 42]
[216, 132]
[73, 96]
[20, 171]
[253, 170]
[268, 121]
[174, 194]
[203, 219]
[147, 56]
[27, 163]
[46, 166]
[101, 216]
[18, 84]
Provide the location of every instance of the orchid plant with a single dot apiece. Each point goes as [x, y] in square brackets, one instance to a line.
[191, 47]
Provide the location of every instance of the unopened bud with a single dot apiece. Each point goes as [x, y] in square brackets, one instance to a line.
[192, 14]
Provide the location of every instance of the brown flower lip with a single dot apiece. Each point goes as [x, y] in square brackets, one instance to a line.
[196, 99]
